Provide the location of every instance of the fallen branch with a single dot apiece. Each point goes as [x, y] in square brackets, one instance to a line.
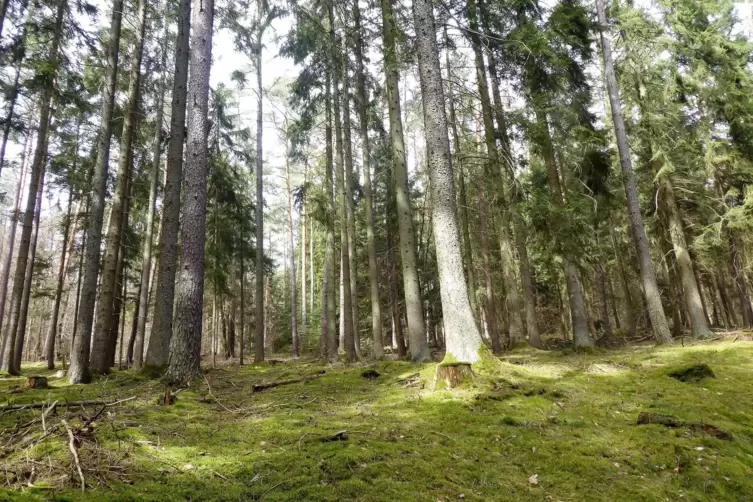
[74, 452]
[32, 406]
[269, 385]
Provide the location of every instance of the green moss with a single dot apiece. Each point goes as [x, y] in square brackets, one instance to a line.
[570, 419]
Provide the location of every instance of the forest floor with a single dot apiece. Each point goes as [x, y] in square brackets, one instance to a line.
[540, 426]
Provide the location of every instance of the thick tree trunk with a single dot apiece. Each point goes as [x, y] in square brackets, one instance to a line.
[464, 343]
[362, 105]
[28, 277]
[398, 341]
[648, 272]
[35, 180]
[79, 370]
[329, 328]
[260, 319]
[738, 273]
[7, 263]
[417, 335]
[162, 324]
[185, 347]
[102, 339]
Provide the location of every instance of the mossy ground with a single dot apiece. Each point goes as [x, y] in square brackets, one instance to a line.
[566, 421]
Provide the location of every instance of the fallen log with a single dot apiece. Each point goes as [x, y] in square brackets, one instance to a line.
[270, 385]
[69, 404]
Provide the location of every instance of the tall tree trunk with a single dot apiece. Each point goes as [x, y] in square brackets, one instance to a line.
[146, 256]
[698, 321]
[349, 209]
[738, 273]
[462, 200]
[260, 324]
[291, 242]
[648, 272]
[7, 263]
[185, 348]
[303, 225]
[363, 116]
[328, 344]
[394, 298]
[346, 315]
[102, 339]
[417, 335]
[490, 311]
[507, 171]
[49, 346]
[28, 278]
[79, 371]
[162, 324]
[601, 285]
[35, 180]
[462, 336]
[515, 320]
[581, 337]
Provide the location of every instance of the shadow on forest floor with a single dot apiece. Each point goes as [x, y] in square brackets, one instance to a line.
[542, 426]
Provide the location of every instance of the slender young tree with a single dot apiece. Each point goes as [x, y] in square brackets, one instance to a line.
[363, 118]
[185, 346]
[79, 371]
[162, 324]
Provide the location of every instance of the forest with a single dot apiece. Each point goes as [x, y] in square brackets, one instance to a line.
[421, 250]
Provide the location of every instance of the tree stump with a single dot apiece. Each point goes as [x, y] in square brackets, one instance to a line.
[167, 399]
[450, 376]
[36, 382]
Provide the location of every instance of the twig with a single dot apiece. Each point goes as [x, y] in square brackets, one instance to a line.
[31, 406]
[269, 385]
[44, 414]
[209, 387]
[74, 452]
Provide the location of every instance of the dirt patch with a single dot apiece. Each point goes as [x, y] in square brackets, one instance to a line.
[693, 374]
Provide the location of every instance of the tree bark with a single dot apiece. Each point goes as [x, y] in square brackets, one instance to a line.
[260, 324]
[417, 335]
[28, 278]
[79, 371]
[185, 347]
[35, 181]
[49, 346]
[462, 336]
[291, 242]
[515, 321]
[162, 324]
[102, 339]
[362, 106]
[490, 311]
[648, 272]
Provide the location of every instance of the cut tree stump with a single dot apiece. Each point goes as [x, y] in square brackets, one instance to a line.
[450, 376]
[37, 382]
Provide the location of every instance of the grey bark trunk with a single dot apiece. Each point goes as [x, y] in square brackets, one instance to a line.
[463, 340]
[79, 370]
[146, 256]
[52, 331]
[350, 210]
[418, 346]
[35, 181]
[346, 312]
[291, 242]
[185, 347]
[361, 105]
[329, 329]
[260, 320]
[648, 272]
[490, 311]
[103, 342]
[162, 324]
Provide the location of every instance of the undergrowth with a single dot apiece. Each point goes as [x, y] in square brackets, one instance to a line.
[538, 426]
